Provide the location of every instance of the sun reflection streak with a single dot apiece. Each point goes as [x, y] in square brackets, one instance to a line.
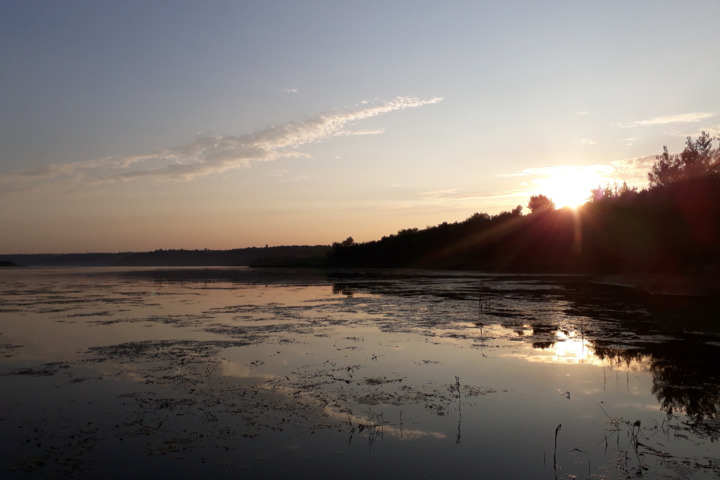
[572, 347]
[567, 347]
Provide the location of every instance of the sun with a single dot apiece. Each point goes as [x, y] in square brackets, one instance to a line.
[569, 186]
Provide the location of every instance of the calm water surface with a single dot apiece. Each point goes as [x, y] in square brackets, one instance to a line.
[259, 373]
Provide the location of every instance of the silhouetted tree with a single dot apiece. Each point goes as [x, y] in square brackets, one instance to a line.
[612, 192]
[539, 203]
[698, 159]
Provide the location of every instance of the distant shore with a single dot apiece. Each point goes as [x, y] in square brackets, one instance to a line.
[292, 255]
[700, 285]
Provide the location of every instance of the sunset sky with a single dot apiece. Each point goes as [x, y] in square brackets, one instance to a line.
[138, 125]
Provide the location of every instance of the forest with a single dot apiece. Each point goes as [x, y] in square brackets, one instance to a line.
[672, 226]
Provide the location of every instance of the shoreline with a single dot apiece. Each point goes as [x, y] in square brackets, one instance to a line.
[665, 284]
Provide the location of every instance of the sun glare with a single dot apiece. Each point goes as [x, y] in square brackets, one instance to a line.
[569, 186]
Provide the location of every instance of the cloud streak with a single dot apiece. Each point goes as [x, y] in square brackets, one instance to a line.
[681, 118]
[209, 155]
[598, 169]
[455, 199]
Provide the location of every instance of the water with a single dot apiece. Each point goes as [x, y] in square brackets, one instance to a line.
[261, 373]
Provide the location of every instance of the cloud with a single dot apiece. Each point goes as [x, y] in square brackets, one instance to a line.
[452, 198]
[376, 131]
[597, 169]
[630, 141]
[633, 170]
[681, 118]
[439, 193]
[209, 155]
[713, 131]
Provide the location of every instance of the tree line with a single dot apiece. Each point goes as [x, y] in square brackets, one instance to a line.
[671, 226]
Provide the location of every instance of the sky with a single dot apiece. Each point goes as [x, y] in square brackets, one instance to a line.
[143, 125]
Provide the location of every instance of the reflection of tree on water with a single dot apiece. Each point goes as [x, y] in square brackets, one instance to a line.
[670, 337]
[684, 371]
[344, 289]
[685, 378]
[693, 386]
[623, 358]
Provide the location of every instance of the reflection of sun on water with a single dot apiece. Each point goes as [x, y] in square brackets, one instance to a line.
[571, 347]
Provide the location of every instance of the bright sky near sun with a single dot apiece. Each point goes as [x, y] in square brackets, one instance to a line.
[137, 125]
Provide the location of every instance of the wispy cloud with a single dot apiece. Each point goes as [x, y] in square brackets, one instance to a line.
[209, 155]
[598, 169]
[376, 131]
[630, 141]
[455, 199]
[633, 170]
[680, 118]
[713, 131]
[443, 193]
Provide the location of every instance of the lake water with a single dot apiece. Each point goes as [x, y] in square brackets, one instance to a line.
[227, 373]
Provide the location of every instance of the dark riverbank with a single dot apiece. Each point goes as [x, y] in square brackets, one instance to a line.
[666, 284]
